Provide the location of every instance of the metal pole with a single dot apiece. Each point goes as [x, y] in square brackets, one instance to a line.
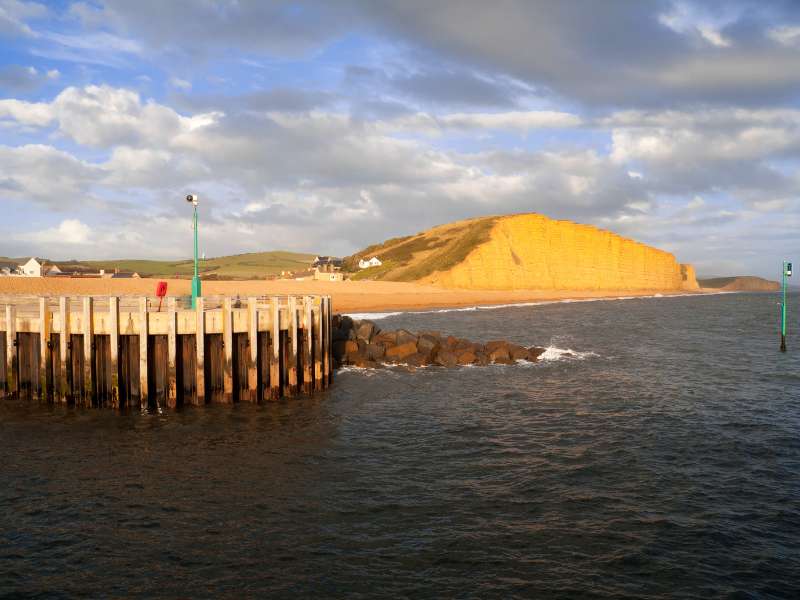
[196, 290]
[783, 308]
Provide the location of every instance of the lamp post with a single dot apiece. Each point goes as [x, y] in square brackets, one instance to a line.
[196, 288]
[787, 272]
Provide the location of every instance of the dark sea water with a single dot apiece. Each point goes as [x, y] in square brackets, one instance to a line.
[663, 461]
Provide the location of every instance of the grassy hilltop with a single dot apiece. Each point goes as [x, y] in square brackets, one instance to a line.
[255, 265]
[416, 256]
[740, 283]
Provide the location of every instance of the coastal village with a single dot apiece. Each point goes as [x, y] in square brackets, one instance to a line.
[322, 268]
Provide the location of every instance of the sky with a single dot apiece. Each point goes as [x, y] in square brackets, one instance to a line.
[323, 126]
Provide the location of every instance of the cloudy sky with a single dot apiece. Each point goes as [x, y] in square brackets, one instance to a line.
[326, 126]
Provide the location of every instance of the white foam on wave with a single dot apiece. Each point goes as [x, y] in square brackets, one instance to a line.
[382, 315]
[552, 353]
[373, 316]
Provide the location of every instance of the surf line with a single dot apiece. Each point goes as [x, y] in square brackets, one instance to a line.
[385, 315]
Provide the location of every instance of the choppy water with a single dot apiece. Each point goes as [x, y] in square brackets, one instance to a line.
[665, 462]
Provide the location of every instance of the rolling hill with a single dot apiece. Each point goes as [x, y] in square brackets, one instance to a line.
[524, 251]
[740, 283]
[256, 265]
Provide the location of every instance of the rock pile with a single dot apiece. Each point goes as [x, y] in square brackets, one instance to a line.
[363, 344]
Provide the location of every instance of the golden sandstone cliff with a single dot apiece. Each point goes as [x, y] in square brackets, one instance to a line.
[527, 251]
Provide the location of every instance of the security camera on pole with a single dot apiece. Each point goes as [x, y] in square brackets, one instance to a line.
[787, 272]
[196, 291]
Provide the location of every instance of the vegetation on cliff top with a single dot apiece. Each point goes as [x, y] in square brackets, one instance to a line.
[415, 257]
[740, 283]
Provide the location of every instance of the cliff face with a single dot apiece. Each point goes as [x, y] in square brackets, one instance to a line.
[534, 252]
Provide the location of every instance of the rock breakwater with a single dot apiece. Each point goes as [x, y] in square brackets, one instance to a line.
[363, 344]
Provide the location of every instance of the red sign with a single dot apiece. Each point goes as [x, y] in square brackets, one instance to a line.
[161, 291]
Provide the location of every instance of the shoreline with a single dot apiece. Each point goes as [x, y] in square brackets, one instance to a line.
[348, 296]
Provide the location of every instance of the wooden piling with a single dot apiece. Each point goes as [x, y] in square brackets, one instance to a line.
[144, 396]
[252, 347]
[200, 334]
[44, 348]
[308, 360]
[113, 332]
[172, 351]
[227, 348]
[326, 366]
[12, 378]
[317, 337]
[274, 363]
[293, 328]
[329, 347]
[63, 350]
[88, 351]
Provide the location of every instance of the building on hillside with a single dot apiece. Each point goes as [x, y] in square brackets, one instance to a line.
[320, 275]
[32, 268]
[119, 275]
[327, 263]
[52, 271]
[372, 262]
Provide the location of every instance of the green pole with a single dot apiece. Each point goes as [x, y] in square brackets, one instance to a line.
[196, 290]
[783, 307]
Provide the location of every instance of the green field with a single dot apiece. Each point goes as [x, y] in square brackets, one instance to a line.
[255, 265]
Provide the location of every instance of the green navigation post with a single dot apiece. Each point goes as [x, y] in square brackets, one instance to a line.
[787, 272]
[196, 287]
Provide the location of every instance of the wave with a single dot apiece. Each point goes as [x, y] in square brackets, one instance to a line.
[552, 353]
[373, 316]
[383, 315]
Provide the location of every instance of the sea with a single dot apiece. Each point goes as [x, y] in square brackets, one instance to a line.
[653, 453]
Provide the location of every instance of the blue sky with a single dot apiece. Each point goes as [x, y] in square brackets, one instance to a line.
[327, 126]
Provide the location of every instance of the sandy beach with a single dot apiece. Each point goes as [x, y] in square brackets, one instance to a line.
[348, 296]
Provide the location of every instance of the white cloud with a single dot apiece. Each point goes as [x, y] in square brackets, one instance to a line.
[37, 114]
[181, 84]
[787, 35]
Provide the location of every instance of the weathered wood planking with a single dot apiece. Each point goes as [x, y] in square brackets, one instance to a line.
[122, 353]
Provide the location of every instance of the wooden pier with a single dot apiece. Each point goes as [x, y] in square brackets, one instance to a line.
[126, 352]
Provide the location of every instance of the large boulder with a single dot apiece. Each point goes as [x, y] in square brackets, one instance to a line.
[385, 338]
[518, 352]
[416, 360]
[365, 330]
[375, 351]
[495, 345]
[466, 357]
[535, 352]
[428, 345]
[446, 358]
[339, 349]
[342, 325]
[402, 351]
[403, 337]
[499, 355]
[351, 351]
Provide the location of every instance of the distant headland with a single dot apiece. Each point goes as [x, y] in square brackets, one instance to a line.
[740, 283]
[525, 251]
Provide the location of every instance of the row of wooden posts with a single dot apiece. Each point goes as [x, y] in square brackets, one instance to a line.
[121, 352]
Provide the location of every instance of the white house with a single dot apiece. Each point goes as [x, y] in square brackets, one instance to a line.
[372, 262]
[328, 275]
[32, 268]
